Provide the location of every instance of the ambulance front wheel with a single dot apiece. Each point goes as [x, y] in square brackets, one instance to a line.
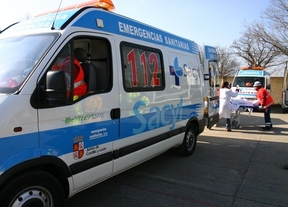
[33, 188]
[189, 142]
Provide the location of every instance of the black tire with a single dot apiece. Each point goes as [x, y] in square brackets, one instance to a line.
[189, 142]
[33, 189]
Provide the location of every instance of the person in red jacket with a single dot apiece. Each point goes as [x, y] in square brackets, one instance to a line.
[265, 103]
[64, 63]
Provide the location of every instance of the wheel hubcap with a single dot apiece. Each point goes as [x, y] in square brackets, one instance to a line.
[189, 140]
[32, 198]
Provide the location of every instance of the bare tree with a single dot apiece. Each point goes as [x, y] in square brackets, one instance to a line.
[254, 51]
[228, 63]
[273, 29]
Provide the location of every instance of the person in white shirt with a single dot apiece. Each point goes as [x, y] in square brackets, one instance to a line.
[225, 106]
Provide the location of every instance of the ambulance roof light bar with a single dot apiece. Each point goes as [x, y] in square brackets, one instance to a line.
[252, 68]
[102, 4]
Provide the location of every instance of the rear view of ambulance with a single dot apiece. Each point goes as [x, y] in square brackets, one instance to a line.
[144, 94]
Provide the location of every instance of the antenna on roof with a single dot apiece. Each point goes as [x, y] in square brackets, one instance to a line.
[52, 27]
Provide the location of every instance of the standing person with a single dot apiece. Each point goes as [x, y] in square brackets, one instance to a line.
[265, 103]
[225, 106]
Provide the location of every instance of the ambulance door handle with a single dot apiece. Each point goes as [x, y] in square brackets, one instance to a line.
[115, 113]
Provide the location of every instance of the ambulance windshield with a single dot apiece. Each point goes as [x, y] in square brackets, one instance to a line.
[18, 56]
[247, 81]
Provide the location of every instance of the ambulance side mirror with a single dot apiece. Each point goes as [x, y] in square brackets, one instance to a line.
[55, 92]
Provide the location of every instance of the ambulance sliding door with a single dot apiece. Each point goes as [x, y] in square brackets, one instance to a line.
[81, 130]
[143, 76]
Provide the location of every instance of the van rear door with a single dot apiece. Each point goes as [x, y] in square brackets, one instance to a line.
[285, 91]
[211, 85]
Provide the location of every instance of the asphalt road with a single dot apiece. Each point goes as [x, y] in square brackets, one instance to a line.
[244, 167]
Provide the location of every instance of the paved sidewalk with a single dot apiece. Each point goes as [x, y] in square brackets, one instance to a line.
[263, 177]
[242, 168]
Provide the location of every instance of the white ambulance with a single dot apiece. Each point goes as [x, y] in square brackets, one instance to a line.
[144, 94]
[245, 78]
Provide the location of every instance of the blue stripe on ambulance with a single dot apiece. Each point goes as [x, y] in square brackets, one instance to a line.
[54, 142]
[129, 28]
[58, 142]
[21, 148]
[114, 24]
[158, 117]
[129, 127]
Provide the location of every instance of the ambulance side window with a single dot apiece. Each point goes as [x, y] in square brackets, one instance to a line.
[54, 86]
[90, 59]
[63, 62]
[76, 86]
[94, 55]
[142, 68]
[214, 74]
